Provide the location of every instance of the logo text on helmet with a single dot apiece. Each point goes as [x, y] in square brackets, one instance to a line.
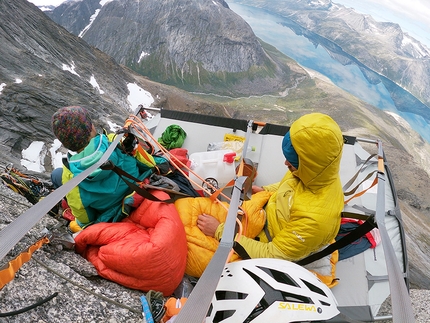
[297, 307]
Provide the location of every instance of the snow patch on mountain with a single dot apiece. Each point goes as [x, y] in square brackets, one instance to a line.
[95, 84]
[33, 156]
[92, 18]
[413, 47]
[138, 96]
[70, 68]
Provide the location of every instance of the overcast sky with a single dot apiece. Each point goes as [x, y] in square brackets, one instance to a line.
[412, 15]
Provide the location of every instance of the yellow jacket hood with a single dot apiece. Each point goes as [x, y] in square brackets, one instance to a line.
[318, 142]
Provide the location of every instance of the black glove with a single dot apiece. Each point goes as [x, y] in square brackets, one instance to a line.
[129, 143]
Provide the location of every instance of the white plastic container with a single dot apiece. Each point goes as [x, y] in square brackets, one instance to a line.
[233, 145]
[217, 167]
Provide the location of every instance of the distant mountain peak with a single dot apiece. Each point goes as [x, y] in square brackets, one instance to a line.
[216, 50]
[381, 46]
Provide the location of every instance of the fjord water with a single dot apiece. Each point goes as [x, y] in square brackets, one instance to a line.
[317, 53]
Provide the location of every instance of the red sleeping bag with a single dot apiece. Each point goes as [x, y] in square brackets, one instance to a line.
[146, 251]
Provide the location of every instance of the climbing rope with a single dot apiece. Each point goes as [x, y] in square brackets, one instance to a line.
[26, 309]
[104, 298]
[143, 132]
[137, 125]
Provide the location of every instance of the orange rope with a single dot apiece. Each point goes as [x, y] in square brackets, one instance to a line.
[136, 123]
[143, 131]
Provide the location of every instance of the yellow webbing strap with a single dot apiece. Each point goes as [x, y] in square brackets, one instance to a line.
[8, 274]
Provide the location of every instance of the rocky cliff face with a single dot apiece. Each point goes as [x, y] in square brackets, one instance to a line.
[43, 67]
[381, 46]
[65, 14]
[194, 44]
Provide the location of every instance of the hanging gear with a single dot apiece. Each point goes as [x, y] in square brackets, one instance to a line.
[156, 304]
[29, 186]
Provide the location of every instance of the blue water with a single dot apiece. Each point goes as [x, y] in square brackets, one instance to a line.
[278, 31]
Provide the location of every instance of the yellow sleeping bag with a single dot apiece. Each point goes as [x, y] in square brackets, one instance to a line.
[201, 248]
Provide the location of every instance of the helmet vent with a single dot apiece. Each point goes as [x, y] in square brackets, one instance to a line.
[279, 276]
[272, 294]
[314, 288]
[227, 273]
[222, 315]
[226, 295]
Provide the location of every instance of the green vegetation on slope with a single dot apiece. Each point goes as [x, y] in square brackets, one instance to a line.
[274, 73]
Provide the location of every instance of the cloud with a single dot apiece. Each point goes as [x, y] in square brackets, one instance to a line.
[415, 9]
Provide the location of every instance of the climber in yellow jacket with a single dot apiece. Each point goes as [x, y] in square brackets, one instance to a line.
[303, 213]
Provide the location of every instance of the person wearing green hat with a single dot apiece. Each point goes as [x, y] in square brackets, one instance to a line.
[103, 196]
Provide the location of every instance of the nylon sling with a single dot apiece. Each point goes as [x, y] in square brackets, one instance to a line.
[400, 300]
[198, 303]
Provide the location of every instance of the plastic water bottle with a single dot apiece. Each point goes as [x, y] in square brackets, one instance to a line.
[216, 166]
[184, 289]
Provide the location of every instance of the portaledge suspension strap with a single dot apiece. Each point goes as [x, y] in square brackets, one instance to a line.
[196, 307]
[400, 301]
[16, 230]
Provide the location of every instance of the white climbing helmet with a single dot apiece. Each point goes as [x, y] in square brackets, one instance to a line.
[270, 290]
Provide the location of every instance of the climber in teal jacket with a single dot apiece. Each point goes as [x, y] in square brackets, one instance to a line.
[103, 196]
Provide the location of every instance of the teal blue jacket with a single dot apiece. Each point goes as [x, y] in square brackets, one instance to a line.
[103, 196]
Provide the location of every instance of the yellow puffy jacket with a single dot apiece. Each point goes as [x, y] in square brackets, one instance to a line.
[201, 247]
[303, 214]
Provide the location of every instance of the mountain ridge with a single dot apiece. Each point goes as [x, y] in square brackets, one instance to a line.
[43, 67]
[389, 51]
[216, 51]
